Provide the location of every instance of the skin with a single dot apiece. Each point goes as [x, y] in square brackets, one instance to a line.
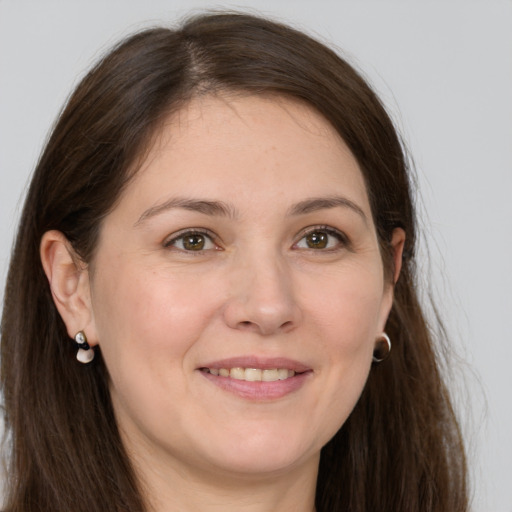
[258, 287]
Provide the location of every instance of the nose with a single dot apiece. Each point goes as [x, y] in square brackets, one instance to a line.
[262, 297]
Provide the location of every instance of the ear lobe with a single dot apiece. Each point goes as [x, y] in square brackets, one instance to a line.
[69, 282]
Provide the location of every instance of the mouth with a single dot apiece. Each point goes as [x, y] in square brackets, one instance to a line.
[253, 378]
[252, 374]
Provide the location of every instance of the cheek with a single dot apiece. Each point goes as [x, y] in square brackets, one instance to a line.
[347, 307]
[344, 320]
[145, 313]
[148, 324]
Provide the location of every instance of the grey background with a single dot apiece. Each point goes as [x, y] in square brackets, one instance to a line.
[444, 69]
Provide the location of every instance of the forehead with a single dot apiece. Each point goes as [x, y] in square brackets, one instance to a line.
[240, 147]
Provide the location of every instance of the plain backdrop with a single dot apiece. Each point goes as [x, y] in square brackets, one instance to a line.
[443, 68]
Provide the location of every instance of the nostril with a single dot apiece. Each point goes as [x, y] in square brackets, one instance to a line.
[287, 325]
[248, 325]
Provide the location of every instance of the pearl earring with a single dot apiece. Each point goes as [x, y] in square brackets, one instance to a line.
[85, 353]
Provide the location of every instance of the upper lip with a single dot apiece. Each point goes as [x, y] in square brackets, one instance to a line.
[263, 363]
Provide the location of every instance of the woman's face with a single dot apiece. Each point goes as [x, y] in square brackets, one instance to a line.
[245, 244]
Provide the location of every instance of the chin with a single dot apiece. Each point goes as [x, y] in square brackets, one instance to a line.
[262, 465]
[263, 454]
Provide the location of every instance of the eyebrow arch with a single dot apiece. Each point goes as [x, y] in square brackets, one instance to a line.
[320, 203]
[204, 206]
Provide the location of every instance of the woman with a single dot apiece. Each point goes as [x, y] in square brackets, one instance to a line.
[222, 222]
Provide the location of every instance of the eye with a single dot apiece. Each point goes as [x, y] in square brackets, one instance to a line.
[322, 238]
[191, 241]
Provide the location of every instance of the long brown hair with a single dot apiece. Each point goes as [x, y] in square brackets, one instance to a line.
[401, 448]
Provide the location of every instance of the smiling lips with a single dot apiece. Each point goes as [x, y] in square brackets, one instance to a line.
[253, 374]
[257, 379]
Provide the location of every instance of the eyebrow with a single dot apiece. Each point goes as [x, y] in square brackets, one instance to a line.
[219, 208]
[322, 203]
[213, 208]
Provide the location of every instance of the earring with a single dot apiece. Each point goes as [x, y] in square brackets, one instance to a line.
[85, 353]
[382, 348]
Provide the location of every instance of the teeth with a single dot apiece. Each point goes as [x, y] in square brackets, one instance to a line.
[253, 374]
[270, 375]
[237, 373]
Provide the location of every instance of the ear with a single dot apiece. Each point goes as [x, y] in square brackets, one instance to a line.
[397, 247]
[69, 283]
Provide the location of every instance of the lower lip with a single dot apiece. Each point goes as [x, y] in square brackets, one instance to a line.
[259, 390]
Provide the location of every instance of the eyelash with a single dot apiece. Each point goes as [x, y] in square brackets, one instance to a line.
[190, 232]
[342, 239]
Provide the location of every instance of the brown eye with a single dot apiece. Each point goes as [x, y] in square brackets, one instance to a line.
[317, 240]
[192, 242]
[321, 239]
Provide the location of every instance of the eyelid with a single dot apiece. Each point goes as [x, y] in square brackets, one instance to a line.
[342, 237]
[190, 231]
